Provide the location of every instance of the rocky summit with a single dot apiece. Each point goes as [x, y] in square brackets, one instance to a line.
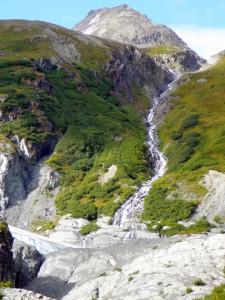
[125, 25]
[111, 162]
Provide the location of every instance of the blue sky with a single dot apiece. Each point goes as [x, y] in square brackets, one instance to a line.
[199, 22]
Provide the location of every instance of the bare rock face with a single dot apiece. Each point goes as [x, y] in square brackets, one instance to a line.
[6, 256]
[27, 262]
[125, 25]
[180, 61]
[12, 179]
[27, 191]
[213, 204]
[68, 230]
[129, 27]
[159, 269]
[129, 65]
[12, 294]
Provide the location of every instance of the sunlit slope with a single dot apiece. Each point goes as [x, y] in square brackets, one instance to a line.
[53, 88]
[192, 137]
[193, 132]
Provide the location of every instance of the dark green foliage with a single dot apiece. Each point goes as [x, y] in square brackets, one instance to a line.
[183, 149]
[200, 226]
[86, 229]
[190, 122]
[158, 208]
[92, 121]
[172, 230]
[198, 282]
[11, 63]
[78, 210]
[167, 212]
[189, 290]
[176, 135]
[203, 161]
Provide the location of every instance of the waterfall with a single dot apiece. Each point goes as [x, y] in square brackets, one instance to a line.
[128, 215]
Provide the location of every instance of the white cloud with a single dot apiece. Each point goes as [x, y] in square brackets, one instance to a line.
[205, 41]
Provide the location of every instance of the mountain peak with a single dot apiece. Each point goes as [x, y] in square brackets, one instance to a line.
[126, 25]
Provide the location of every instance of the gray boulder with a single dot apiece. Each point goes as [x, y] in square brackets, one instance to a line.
[27, 262]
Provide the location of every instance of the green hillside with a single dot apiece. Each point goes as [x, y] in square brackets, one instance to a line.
[47, 94]
[84, 99]
[192, 138]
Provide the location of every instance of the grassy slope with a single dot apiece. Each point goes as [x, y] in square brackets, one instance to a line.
[97, 130]
[218, 293]
[192, 137]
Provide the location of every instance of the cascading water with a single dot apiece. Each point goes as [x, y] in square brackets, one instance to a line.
[128, 215]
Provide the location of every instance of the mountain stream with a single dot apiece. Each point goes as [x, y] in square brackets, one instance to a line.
[128, 215]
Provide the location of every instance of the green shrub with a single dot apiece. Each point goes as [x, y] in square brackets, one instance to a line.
[190, 122]
[86, 229]
[200, 226]
[218, 293]
[130, 278]
[189, 290]
[198, 282]
[6, 284]
[218, 220]
[158, 208]
[44, 224]
[176, 135]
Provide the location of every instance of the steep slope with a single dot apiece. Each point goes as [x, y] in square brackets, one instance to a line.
[91, 96]
[87, 96]
[192, 137]
[125, 25]
[78, 104]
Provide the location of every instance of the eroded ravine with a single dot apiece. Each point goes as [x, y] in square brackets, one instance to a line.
[128, 215]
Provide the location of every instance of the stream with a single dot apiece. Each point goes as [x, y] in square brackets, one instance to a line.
[128, 215]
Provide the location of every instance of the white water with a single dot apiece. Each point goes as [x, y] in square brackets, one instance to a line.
[128, 215]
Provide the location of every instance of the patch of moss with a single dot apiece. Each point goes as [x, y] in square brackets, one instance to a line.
[6, 284]
[86, 229]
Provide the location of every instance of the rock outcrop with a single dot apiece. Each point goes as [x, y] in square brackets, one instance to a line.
[13, 176]
[68, 230]
[141, 269]
[178, 60]
[129, 65]
[6, 256]
[38, 202]
[125, 25]
[129, 27]
[27, 191]
[213, 204]
[27, 262]
[12, 294]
